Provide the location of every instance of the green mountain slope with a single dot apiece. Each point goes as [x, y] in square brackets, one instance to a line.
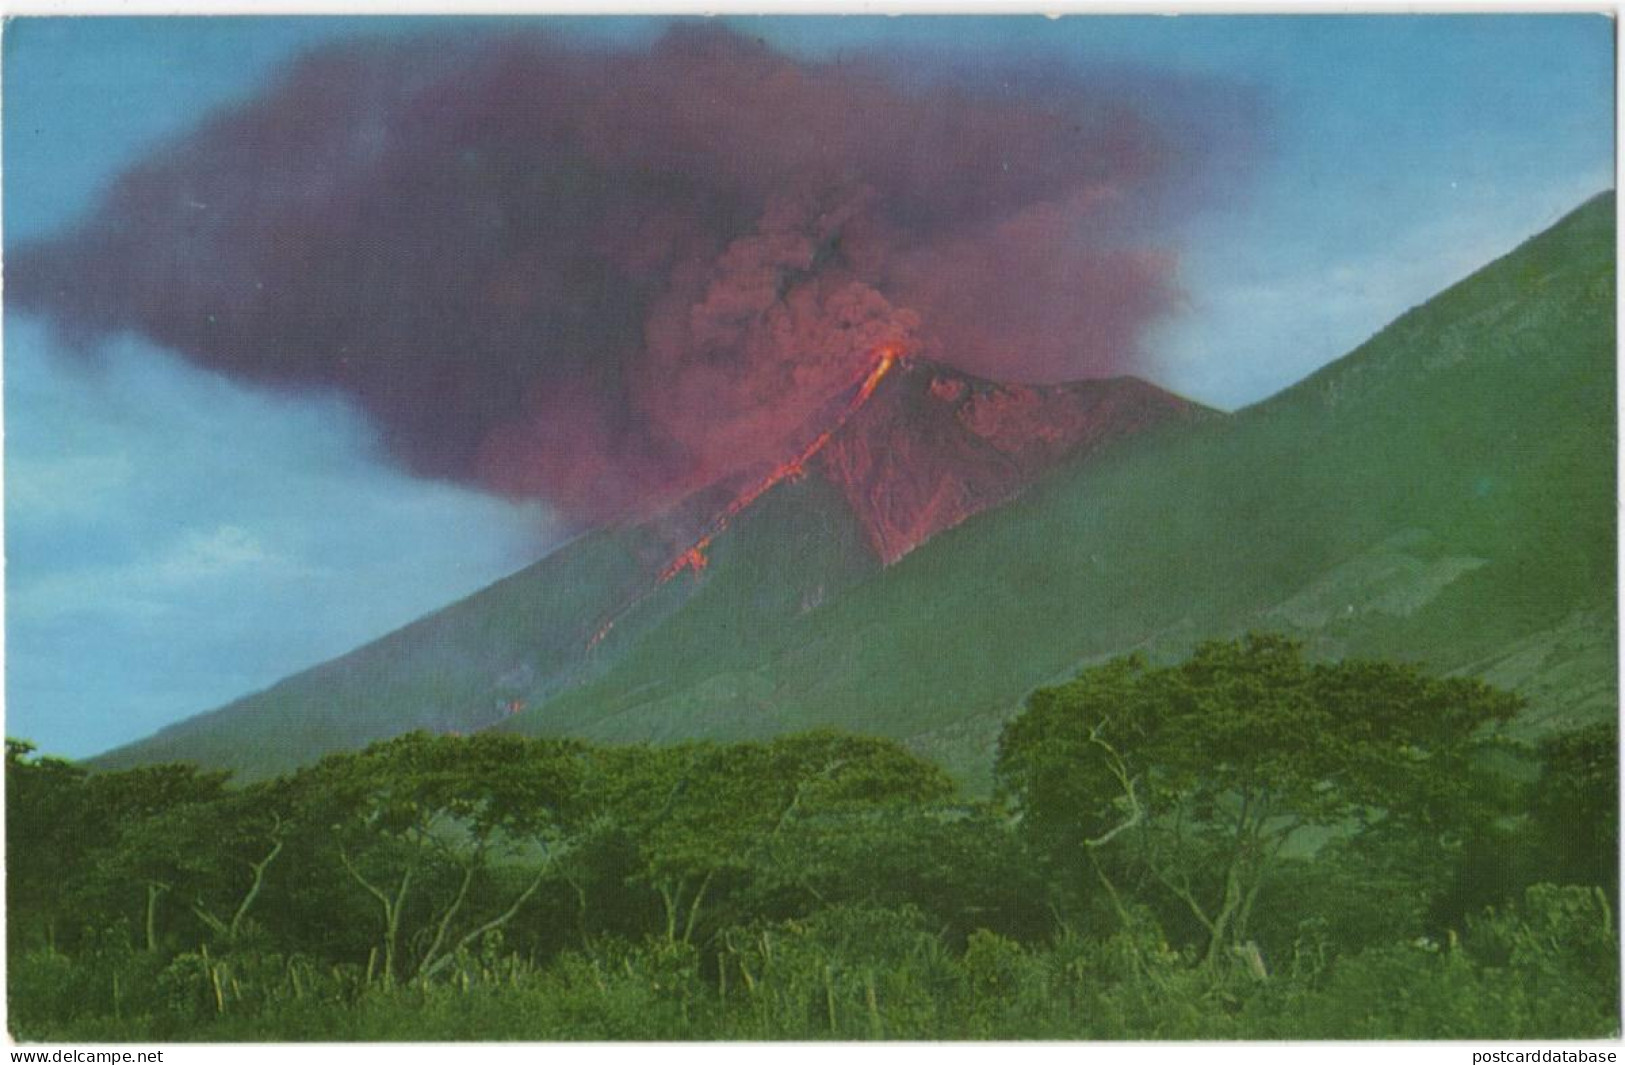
[1444, 493]
[509, 646]
[928, 446]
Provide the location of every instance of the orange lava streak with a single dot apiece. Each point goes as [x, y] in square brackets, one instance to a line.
[598, 637]
[889, 354]
[694, 558]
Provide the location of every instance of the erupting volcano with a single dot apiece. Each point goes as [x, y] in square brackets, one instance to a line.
[943, 445]
[650, 286]
[915, 448]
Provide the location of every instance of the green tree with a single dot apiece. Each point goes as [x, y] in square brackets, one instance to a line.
[1576, 808]
[962, 866]
[153, 828]
[247, 830]
[1195, 777]
[705, 818]
[44, 842]
[417, 821]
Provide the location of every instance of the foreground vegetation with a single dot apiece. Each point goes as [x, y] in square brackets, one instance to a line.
[1241, 846]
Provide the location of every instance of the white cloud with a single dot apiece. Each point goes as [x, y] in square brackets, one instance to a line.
[66, 485]
[211, 555]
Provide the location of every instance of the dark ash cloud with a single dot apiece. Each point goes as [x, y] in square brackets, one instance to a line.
[607, 278]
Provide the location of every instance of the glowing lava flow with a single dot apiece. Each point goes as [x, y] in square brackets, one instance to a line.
[603, 630]
[694, 558]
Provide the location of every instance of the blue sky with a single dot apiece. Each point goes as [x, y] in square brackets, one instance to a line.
[175, 539]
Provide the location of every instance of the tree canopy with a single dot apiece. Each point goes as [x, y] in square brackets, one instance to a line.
[1198, 775]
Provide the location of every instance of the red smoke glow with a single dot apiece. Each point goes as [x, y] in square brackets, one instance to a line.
[606, 279]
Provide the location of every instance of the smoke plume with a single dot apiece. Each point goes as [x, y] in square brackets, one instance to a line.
[607, 278]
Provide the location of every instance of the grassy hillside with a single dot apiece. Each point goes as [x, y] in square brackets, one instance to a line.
[1444, 493]
[512, 645]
